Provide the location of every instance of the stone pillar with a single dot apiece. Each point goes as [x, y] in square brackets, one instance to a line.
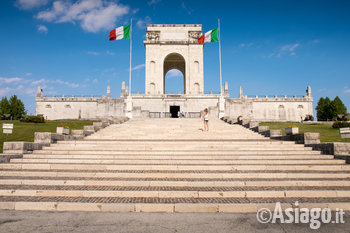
[39, 92]
[122, 93]
[108, 92]
[221, 106]
[308, 91]
[240, 92]
[128, 112]
[226, 88]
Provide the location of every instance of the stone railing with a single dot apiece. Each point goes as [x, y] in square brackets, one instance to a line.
[168, 115]
[340, 150]
[17, 149]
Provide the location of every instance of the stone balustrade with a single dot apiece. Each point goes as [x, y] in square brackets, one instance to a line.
[16, 149]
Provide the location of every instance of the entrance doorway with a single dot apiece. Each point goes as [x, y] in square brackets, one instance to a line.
[174, 110]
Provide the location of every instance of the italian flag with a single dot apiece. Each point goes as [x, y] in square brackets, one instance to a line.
[120, 33]
[211, 36]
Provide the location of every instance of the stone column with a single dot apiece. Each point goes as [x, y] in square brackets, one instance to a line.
[221, 106]
[240, 92]
[122, 93]
[108, 92]
[128, 112]
[39, 92]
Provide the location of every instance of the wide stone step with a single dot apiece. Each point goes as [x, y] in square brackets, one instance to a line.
[142, 174]
[178, 162]
[92, 167]
[176, 194]
[178, 157]
[241, 135]
[178, 148]
[184, 184]
[183, 153]
[111, 204]
[145, 141]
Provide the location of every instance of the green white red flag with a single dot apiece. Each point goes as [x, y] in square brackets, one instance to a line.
[122, 32]
[211, 36]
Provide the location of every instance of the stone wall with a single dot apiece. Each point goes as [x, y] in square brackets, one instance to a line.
[269, 109]
[258, 109]
[54, 108]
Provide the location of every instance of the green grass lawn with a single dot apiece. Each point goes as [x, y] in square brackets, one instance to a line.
[25, 131]
[327, 133]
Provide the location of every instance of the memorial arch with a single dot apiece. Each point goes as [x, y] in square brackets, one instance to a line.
[174, 47]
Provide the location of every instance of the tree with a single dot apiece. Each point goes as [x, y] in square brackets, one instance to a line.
[339, 106]
[4, 107]
[329, 110]
[320, 109]
[17, 108]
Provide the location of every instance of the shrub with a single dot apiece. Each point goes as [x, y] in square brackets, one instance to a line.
[340, 124]
[309, 118]
[33, 119]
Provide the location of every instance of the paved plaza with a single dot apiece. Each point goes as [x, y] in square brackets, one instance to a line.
[85, 222]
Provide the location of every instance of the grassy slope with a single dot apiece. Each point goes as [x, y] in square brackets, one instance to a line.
[25, 131]
[328, 134]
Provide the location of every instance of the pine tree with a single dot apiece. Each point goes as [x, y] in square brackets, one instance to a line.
[339, 106]
[320, 109]
[17, 108]
[329, 110]
[4, 107]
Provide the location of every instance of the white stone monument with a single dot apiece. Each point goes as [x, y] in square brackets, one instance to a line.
[175, 46]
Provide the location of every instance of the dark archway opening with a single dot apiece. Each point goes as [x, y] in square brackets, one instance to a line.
[174, 111]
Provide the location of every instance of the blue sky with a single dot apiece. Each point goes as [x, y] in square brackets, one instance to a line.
[269, 47]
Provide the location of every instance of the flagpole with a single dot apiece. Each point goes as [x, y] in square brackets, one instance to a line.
[220, 57]
[130, 57]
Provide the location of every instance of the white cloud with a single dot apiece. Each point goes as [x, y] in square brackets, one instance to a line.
[242, 45]
[9, 80]
[142, 23]
[95, 81]
[347, 90]
[28, 74]
[93, 53]
[290, 47]
[30, 4]
[8, 90]
[99, 53]
[152, 2]
[174, 73]
[285, 49]
[138, 67]
[93, 15]
[110, 53]
[57, 81]
[189, 11]
[42, 29]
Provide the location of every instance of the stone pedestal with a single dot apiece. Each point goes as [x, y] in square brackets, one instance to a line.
[62, 130]
[292, 130]
[275, 133]
[221, 106]
[128, 112]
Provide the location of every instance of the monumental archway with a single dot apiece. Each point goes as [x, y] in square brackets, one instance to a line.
[173, 46]
[174, 61]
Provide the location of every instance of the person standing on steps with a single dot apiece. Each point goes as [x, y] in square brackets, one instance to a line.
[206, 120]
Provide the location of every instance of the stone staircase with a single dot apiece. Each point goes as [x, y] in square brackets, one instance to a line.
[171, 165]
